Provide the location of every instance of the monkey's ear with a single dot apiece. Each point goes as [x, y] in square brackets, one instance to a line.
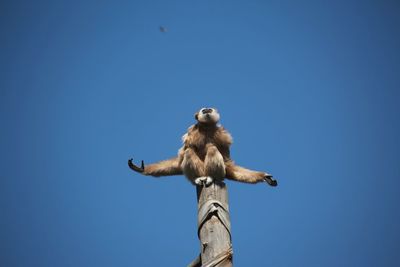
[196, 116]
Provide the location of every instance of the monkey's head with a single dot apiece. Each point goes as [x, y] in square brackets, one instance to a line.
[209, 116]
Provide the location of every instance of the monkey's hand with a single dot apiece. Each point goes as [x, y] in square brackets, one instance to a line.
[136, 168]
[270, 180]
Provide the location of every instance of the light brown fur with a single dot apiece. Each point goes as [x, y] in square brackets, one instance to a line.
[206, 152]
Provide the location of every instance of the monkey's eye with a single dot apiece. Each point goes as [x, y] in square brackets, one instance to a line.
[207, 110]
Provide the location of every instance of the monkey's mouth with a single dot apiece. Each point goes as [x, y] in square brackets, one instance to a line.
[209, 119]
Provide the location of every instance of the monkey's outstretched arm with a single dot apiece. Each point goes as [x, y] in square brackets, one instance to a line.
[240, 174]
[162, 168]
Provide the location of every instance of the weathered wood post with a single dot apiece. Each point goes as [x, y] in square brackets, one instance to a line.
[213, 226]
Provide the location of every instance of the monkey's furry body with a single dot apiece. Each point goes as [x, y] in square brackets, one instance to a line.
[205, 153]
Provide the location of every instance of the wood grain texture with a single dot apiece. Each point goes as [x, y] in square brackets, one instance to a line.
[214, 237]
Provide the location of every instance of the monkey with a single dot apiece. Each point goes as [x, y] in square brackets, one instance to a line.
[204, 156]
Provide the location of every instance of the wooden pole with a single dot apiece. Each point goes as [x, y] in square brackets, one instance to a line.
[214, 226]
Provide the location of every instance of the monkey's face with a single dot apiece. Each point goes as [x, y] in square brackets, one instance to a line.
[207, 116]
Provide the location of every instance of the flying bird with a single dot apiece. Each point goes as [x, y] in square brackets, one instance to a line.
[162, 29]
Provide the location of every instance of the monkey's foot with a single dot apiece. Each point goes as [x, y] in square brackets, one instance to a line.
[205, 180]
[271, 181]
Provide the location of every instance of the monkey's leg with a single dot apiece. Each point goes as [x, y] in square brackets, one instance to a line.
[214, 163]
[240, 174]
[192, 166]
[162, 168]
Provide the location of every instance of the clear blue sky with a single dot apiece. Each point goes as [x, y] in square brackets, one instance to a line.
[308, 89]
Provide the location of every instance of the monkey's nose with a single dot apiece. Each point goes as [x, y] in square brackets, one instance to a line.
[206, 110]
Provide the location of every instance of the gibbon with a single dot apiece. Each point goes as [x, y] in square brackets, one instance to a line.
[204, 156]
